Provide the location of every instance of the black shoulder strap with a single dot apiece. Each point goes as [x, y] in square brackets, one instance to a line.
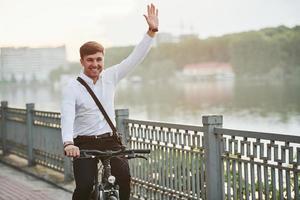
[113, 128]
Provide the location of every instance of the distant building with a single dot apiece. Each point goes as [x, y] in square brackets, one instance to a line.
[216, 70]
[27, 64]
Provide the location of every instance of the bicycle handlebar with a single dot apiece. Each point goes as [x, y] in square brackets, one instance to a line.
[142, 151]
[97, 153]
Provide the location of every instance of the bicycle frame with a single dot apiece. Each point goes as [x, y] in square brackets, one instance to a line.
[107, 189]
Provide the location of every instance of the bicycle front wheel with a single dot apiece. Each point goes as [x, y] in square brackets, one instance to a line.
[113, 198]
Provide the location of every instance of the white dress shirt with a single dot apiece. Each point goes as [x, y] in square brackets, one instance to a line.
[79, 113]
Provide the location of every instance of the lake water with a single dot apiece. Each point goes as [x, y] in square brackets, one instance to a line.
[250, 105]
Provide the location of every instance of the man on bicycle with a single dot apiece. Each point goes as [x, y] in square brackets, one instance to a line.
[84, 126]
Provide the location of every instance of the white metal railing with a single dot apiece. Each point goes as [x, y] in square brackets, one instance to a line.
[186, 162]
[260, 165]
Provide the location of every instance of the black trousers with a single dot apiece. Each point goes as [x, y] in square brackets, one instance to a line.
[84, 169]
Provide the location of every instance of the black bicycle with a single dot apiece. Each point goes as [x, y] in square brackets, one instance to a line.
[107, 189]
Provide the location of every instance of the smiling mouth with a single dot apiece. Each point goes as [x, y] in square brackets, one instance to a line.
[95, 69]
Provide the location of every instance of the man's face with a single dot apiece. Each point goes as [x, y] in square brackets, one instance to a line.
[93, 65]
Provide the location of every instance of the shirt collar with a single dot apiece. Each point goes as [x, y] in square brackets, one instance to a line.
[87, 79]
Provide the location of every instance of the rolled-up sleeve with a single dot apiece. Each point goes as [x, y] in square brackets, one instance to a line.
[67, 113]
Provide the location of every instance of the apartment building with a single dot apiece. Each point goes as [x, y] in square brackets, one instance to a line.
[27, 64]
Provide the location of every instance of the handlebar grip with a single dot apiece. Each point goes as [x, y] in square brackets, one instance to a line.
[85, 155]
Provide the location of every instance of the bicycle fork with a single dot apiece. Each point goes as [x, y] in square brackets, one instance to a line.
[108, 189]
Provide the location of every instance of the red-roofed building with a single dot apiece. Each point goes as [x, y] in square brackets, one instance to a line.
[209, 69]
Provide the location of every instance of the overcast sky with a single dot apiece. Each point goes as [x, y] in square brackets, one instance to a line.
[38, 23]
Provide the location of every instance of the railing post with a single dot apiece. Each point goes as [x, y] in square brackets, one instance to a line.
[213, 162]
[122, 114]
[4, 105]
[68, 176]
[29, 134]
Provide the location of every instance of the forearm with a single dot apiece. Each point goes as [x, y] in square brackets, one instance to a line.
[67, 131]
[67, 114]
[136, 57]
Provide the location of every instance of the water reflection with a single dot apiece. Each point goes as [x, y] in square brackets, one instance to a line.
[245, 105]
[283, 99]
[45, 97]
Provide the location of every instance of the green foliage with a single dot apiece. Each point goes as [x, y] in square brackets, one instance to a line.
[269, 52]
[115, 55]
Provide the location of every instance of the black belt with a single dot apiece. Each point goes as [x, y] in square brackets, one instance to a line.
[105, 135]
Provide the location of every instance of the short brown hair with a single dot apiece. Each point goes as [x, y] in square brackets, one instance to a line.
[90, 48]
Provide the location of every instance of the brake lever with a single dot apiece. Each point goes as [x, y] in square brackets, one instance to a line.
[135, 156]
[130, 156]
[139, 156]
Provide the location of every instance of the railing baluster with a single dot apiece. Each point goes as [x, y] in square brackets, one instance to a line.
[287, 184]
[193, 170]
[266, 181]
[228, 179]
[189, 160]
[252, 175]
[234, 179]
[193, 160]
[273, 179]
[176, 169]
[152, 168]
[280, 182]
[259, 182]
[246, 180]
[296, 185]
[240, 178]
[162, 156]
[202, 177]
[234, 164]
[168, 161]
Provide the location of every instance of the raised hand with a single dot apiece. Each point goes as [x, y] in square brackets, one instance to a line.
[152, 17]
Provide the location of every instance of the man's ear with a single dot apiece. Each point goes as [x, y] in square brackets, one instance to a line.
[81, 62]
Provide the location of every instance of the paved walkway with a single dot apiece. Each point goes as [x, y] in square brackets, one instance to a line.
[15, 185]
